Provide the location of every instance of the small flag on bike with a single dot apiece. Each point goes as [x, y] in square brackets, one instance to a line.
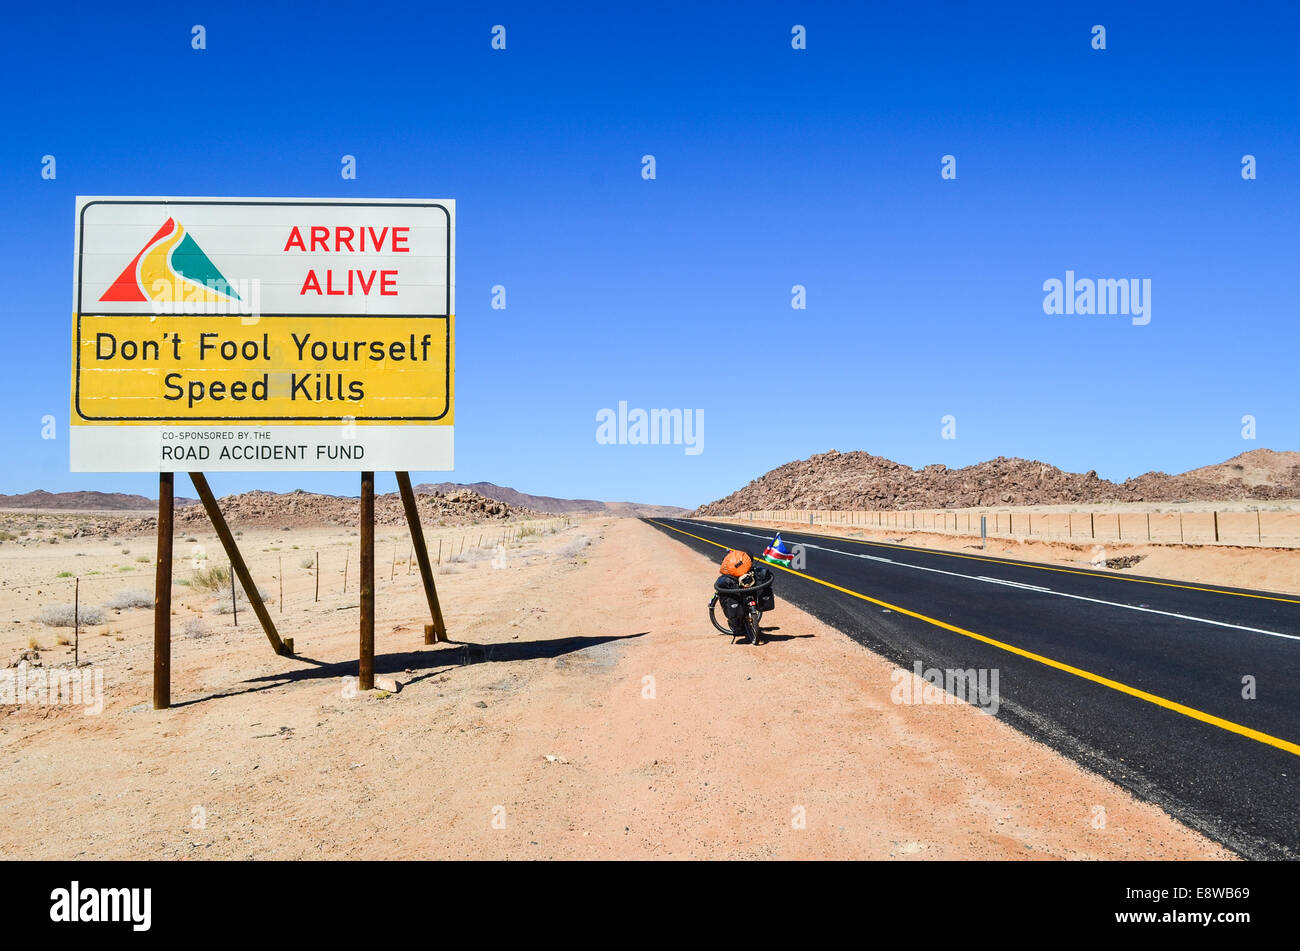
[776, 553]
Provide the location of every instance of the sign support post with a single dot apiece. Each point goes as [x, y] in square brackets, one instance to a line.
[366, 662]
[236, 560]
[437, 631]
[162, 597]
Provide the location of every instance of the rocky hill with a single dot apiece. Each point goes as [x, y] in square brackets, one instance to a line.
[547, 503]
[1259, 467]
[859, 480]
[299, 508]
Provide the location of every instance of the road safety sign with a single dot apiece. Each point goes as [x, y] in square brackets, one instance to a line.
[263, 333]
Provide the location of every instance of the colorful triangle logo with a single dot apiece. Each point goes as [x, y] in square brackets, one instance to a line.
[171, 267]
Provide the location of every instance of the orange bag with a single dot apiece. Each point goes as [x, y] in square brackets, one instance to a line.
[736, 564]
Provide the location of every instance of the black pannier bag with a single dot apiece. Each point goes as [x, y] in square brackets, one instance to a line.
[766, 599]
[731, 606]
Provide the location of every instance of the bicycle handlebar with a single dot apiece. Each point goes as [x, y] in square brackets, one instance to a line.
[738, 592]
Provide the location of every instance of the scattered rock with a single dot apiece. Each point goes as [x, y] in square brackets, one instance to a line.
[29, 657]
[1124, 561]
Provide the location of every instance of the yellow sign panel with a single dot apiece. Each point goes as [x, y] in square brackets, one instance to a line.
[294, 370]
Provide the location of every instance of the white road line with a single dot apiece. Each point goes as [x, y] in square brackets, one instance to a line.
[1029, 587]
[1181, 617]
[1014, 584]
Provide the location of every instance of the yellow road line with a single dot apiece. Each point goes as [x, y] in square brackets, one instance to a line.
[1173, 705]
[1029, 564]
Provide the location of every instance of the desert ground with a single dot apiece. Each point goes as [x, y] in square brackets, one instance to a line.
[584, 709]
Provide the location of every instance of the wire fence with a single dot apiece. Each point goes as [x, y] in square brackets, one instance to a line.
[1258, 528]
[322, 569]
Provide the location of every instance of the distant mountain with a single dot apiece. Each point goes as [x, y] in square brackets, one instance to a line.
[84, 501]
[547, 503]
[859, 480]
[515, 500]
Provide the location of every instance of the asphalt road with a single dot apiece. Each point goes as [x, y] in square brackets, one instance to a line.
[1138, 679]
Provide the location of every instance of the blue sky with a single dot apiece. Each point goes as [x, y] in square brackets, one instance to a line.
[775, 167]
